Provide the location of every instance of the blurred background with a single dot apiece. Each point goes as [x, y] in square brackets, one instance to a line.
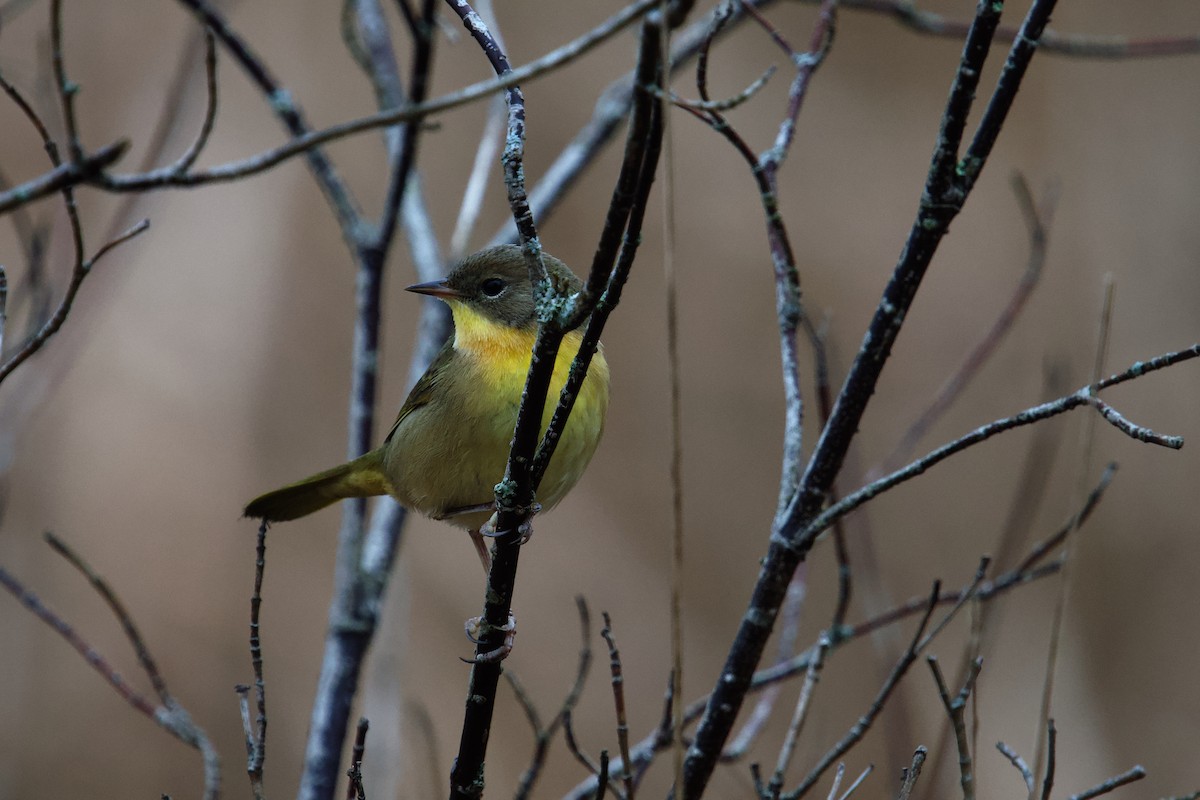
[208, 360]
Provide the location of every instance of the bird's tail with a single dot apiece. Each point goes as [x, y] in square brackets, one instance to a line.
[362, 477]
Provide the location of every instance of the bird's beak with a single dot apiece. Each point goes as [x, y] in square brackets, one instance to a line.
[434, 289]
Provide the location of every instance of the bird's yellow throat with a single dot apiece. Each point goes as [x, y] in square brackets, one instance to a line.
[503, 351]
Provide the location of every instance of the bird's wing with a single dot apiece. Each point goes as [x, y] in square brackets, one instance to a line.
[425, 388]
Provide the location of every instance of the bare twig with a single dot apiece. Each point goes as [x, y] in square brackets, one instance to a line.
[602, 780]
[258, 750]
[62, 176]
[364, 555]
[481, 168]
[1087, 443]
[66, 88]
[838, 775]
[1074, 45]
[1134, 774]
[243, 693]
[857, 782]
[1015, 759]
[1084, 396]
[93, 658]
[643, 752]
[544, 735]
[911, 774]
[285, 108]
[792, 737]
[956, 709]
[3, 305]
[675, 395]
[169, 714]
[354, 787]
[485, 155]
[863, 724]
[181, 166]
[618, 692]
[428, 737]
[1051, 754]
[83, 265]
[303, 142]
[1062, 44]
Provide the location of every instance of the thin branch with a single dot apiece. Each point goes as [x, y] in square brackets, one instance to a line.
[1136, 773]
[1058, 614]
[71, 173]
[3, 305]
[728, 103]
[956, 709]
[83, 265]
[354, 787]
[838, 775]
[93, 658]
[243, 693]
[187, 159]
[514, 494]
[1015, 759]
[857, 782]
[485, 156]
[675, 394]
[543, 736]
[643, 752]
[364, 555]
[258, 749]
[1083, 396]
[286, 109]
[911, 774]
[65, 88]
[1074, 45]
[579, 152]
[864, 722]
[1051, 755]
[618, 692]
[82, 269]
[304, 141]
[792, 737]
[169, 714]
[602, 779]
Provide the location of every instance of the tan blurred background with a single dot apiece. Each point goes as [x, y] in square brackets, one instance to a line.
[208, 361]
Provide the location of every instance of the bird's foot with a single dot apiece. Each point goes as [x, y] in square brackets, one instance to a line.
[477, 628]
[525, 529]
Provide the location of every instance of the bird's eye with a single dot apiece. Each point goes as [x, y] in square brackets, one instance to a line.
[493, 287]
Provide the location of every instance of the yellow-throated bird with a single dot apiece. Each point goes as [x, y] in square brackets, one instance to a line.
[450, 442]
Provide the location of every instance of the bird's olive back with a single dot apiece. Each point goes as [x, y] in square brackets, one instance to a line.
[495, 281]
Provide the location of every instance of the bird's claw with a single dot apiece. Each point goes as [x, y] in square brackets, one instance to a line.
[525, 529]
[477, 628]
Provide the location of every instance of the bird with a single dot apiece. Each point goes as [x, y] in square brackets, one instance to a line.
[450, 442]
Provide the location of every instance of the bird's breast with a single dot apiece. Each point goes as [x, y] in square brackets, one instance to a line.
[451, 452]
